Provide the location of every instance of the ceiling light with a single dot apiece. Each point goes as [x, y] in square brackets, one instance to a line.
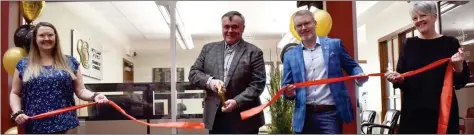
[183, 39]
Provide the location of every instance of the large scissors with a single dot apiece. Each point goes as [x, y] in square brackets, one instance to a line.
[221, 92]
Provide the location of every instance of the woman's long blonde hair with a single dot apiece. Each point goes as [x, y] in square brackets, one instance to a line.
[34, 67]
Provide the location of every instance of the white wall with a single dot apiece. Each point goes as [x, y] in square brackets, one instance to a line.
[158, 56]
[465, 100]
[64, 17]
[384, 23]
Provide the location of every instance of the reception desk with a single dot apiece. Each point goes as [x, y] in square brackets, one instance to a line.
[149, 102]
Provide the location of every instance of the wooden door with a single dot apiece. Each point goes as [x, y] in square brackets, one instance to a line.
[127, 71]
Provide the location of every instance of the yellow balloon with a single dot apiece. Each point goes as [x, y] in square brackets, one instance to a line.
[323, 26]
[11, 58]
[31, 9]
[13, 130]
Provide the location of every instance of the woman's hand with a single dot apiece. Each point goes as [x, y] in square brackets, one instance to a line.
[457, 60]
[100, 98]
[394, 77]
[21, 118]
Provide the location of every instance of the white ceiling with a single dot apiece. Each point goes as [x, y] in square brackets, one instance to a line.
[262, 17]
[362, 6]
[141, 20]
[366, 10]
[137, 19]
[459, 22]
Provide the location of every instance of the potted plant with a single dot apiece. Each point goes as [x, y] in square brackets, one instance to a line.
[282, 110]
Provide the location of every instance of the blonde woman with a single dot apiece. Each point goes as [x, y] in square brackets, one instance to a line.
[422, 92]
[47, 80]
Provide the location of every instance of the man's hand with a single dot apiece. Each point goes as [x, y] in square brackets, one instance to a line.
[290, 91]
[230, 105]
[362, 80]
[214, 84]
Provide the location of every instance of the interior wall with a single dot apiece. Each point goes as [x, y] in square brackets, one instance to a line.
[380, 25]
[465, 100]
[65, 18]
[392, 18]
[113, 52]
[145, 61]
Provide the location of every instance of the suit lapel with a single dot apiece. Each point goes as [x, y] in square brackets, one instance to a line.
[220, 60]
[325, 49]
[239, 50]
[300, 61]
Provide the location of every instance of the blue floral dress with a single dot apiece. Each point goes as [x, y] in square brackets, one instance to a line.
[51, 90]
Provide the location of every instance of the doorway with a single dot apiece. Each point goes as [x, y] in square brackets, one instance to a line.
[127, 71]
[390, 47]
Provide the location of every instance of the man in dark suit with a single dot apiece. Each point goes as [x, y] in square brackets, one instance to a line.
[239, 67]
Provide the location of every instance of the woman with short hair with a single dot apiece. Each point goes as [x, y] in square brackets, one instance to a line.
[422, 92]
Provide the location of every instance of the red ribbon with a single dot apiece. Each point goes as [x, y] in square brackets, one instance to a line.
[186, 125]
[443, 118]
[446, 96]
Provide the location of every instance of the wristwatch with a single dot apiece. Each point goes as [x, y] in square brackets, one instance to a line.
[14, 115]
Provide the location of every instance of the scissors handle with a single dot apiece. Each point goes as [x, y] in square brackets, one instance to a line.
[221, 93]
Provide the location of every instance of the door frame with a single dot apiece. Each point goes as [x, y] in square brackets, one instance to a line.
[400, 35]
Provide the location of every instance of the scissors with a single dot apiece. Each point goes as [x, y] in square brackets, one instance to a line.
[221, 92]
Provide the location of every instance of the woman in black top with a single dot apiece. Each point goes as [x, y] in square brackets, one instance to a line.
[422, 92]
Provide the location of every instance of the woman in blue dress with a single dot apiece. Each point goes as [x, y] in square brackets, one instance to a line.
[47, 80]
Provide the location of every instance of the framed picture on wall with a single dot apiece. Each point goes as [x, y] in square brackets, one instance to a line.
[458, 22]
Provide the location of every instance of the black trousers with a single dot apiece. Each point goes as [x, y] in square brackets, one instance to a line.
[223, 124]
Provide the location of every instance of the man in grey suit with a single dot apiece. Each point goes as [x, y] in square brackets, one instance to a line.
[239, 67]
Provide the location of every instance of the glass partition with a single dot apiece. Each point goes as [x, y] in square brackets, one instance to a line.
[128, 59]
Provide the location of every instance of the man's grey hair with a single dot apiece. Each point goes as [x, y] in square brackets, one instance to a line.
[304, 12]
[428, 7]
[231, 14]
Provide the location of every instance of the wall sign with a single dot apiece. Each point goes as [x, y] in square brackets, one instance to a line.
[88, 53]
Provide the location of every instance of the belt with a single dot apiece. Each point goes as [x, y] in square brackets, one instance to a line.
[320, 108]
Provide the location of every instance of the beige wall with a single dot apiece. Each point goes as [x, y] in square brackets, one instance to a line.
[65, 19]
[384, 23]
[465, 100]
[160, 57]
[157, 55]
[387, 21]
[151, 54]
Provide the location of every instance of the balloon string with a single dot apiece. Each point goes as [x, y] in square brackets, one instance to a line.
[446, 96]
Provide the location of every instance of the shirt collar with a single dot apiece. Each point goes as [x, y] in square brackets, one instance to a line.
[318, 42]
[227, 46]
